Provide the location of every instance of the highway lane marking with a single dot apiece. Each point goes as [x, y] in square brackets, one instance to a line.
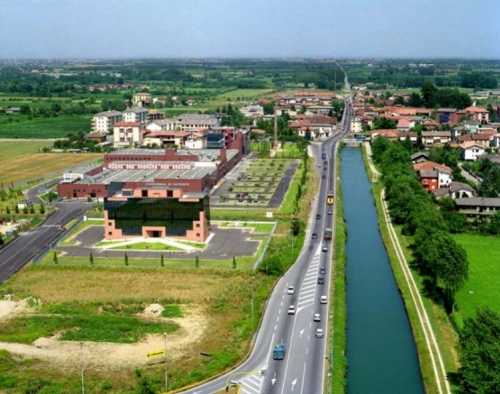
[303, 378]
[279, 311]
[275, 327]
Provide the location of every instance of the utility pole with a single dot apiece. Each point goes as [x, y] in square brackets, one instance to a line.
[166, 375]
[81, 366]
[276, 127]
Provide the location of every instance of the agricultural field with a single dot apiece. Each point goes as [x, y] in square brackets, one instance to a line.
[120, 315]
[58, 127]
[20, 161]
[484, 275]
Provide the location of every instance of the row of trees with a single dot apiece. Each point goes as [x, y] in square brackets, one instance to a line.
[438, 257]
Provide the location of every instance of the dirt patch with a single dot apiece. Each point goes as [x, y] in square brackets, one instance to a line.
[111, 356]
[10, 308]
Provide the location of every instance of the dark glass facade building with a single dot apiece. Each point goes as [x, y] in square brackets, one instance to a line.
[175, 216]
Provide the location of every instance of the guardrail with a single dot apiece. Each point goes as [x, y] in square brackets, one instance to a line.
[54, 243]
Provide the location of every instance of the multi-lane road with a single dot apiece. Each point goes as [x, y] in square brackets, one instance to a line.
[19, 252]
[303, 369]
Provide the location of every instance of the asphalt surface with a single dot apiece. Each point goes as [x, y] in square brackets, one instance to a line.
[18, 253]
[226, 243]
[303, 369]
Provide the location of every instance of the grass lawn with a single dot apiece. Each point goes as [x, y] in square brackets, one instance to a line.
[58, 127]
[484, 275]
[107, 312]
[17, 160]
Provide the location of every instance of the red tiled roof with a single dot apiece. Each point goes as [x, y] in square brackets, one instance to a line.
[429, 166]
[127, 124]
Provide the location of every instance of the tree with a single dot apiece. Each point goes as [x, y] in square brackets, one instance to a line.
[162, 261]
[55, 258]
[494, 223]
[415, 100]
[197, 262]
[1, 239]
[125, 257]
[91, 258]
[480, 353]
[384, 123]
[490, 187]
[429, 91]
[234, 261]
[42, 209]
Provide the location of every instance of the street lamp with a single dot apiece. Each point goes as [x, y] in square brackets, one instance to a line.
[166, 375]
[252, 298]
[81, 366]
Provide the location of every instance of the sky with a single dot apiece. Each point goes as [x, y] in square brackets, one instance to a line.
[112, 29]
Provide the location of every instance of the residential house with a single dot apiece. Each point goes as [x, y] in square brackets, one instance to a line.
[405, 124]
[477, 207]
[195, 141]
[141, 98]
[166, 138]
[495, 142]
[431, 138]
[481, 139]
[412, 135]
[197, 122]
[128, 133]
[447, 115]
[390, 134]
[97, 136]
[163, 124]
[105, 121]
[470, 125]
[478, 114]
[155, 114]
[471, 150]
[433, 175]
[455, 190]
[136, 115]
[495, 158]
[419, 157]
[356, 124]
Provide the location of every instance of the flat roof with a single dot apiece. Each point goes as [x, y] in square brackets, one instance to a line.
[204, 153]
[110, 176]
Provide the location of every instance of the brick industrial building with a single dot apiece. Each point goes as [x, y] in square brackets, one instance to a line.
[189, 171]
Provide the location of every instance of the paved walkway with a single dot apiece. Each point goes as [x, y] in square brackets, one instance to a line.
[369, 154]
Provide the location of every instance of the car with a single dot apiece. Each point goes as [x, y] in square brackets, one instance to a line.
[314, 236]
[325, 168]
[325, 249]
[290, 290]
[243, 195]
[325, 163]
[291, 310]
[319, 165]
[319, 333]
[324, 299]
[330, 212]
[240, 199]
[317, 317]
[318, 216]
[322, 270]
[323, 177]
[321, 280]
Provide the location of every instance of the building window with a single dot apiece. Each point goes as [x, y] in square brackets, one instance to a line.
[197, 234]
[109, 224]
[110, 233]
[197, 224]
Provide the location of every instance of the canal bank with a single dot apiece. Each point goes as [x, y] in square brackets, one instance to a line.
[381, 351]
[433, 333]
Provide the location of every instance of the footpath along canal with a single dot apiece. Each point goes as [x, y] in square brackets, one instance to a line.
[381, 351]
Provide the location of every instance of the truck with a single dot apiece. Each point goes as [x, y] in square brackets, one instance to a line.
[279, 351]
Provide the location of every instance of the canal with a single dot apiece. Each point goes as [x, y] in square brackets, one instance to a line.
[381, 352]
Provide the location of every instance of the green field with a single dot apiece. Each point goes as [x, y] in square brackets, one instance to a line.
[484, 275]
[58, 127]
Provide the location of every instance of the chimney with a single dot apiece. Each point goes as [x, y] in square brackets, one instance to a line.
[223, 156]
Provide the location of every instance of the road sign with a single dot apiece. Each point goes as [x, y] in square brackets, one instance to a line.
[156, 353]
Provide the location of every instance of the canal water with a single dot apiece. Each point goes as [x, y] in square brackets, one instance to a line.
[381, 353]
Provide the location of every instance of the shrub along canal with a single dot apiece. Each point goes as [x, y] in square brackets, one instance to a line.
[381, 351]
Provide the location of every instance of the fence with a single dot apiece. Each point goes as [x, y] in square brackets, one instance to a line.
[54, 243]
[259, 260]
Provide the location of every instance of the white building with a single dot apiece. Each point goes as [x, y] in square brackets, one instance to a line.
[136, 115]
[471, 150]
[356, 124]
[197, 122]
[127, 133]
[163, 124]
[104, 121]
[195, 141]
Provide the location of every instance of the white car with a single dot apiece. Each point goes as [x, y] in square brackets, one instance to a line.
[317, 317]
[325, 249]
[324, 299]
[291, 290]
[291, 310]
[319, 333]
